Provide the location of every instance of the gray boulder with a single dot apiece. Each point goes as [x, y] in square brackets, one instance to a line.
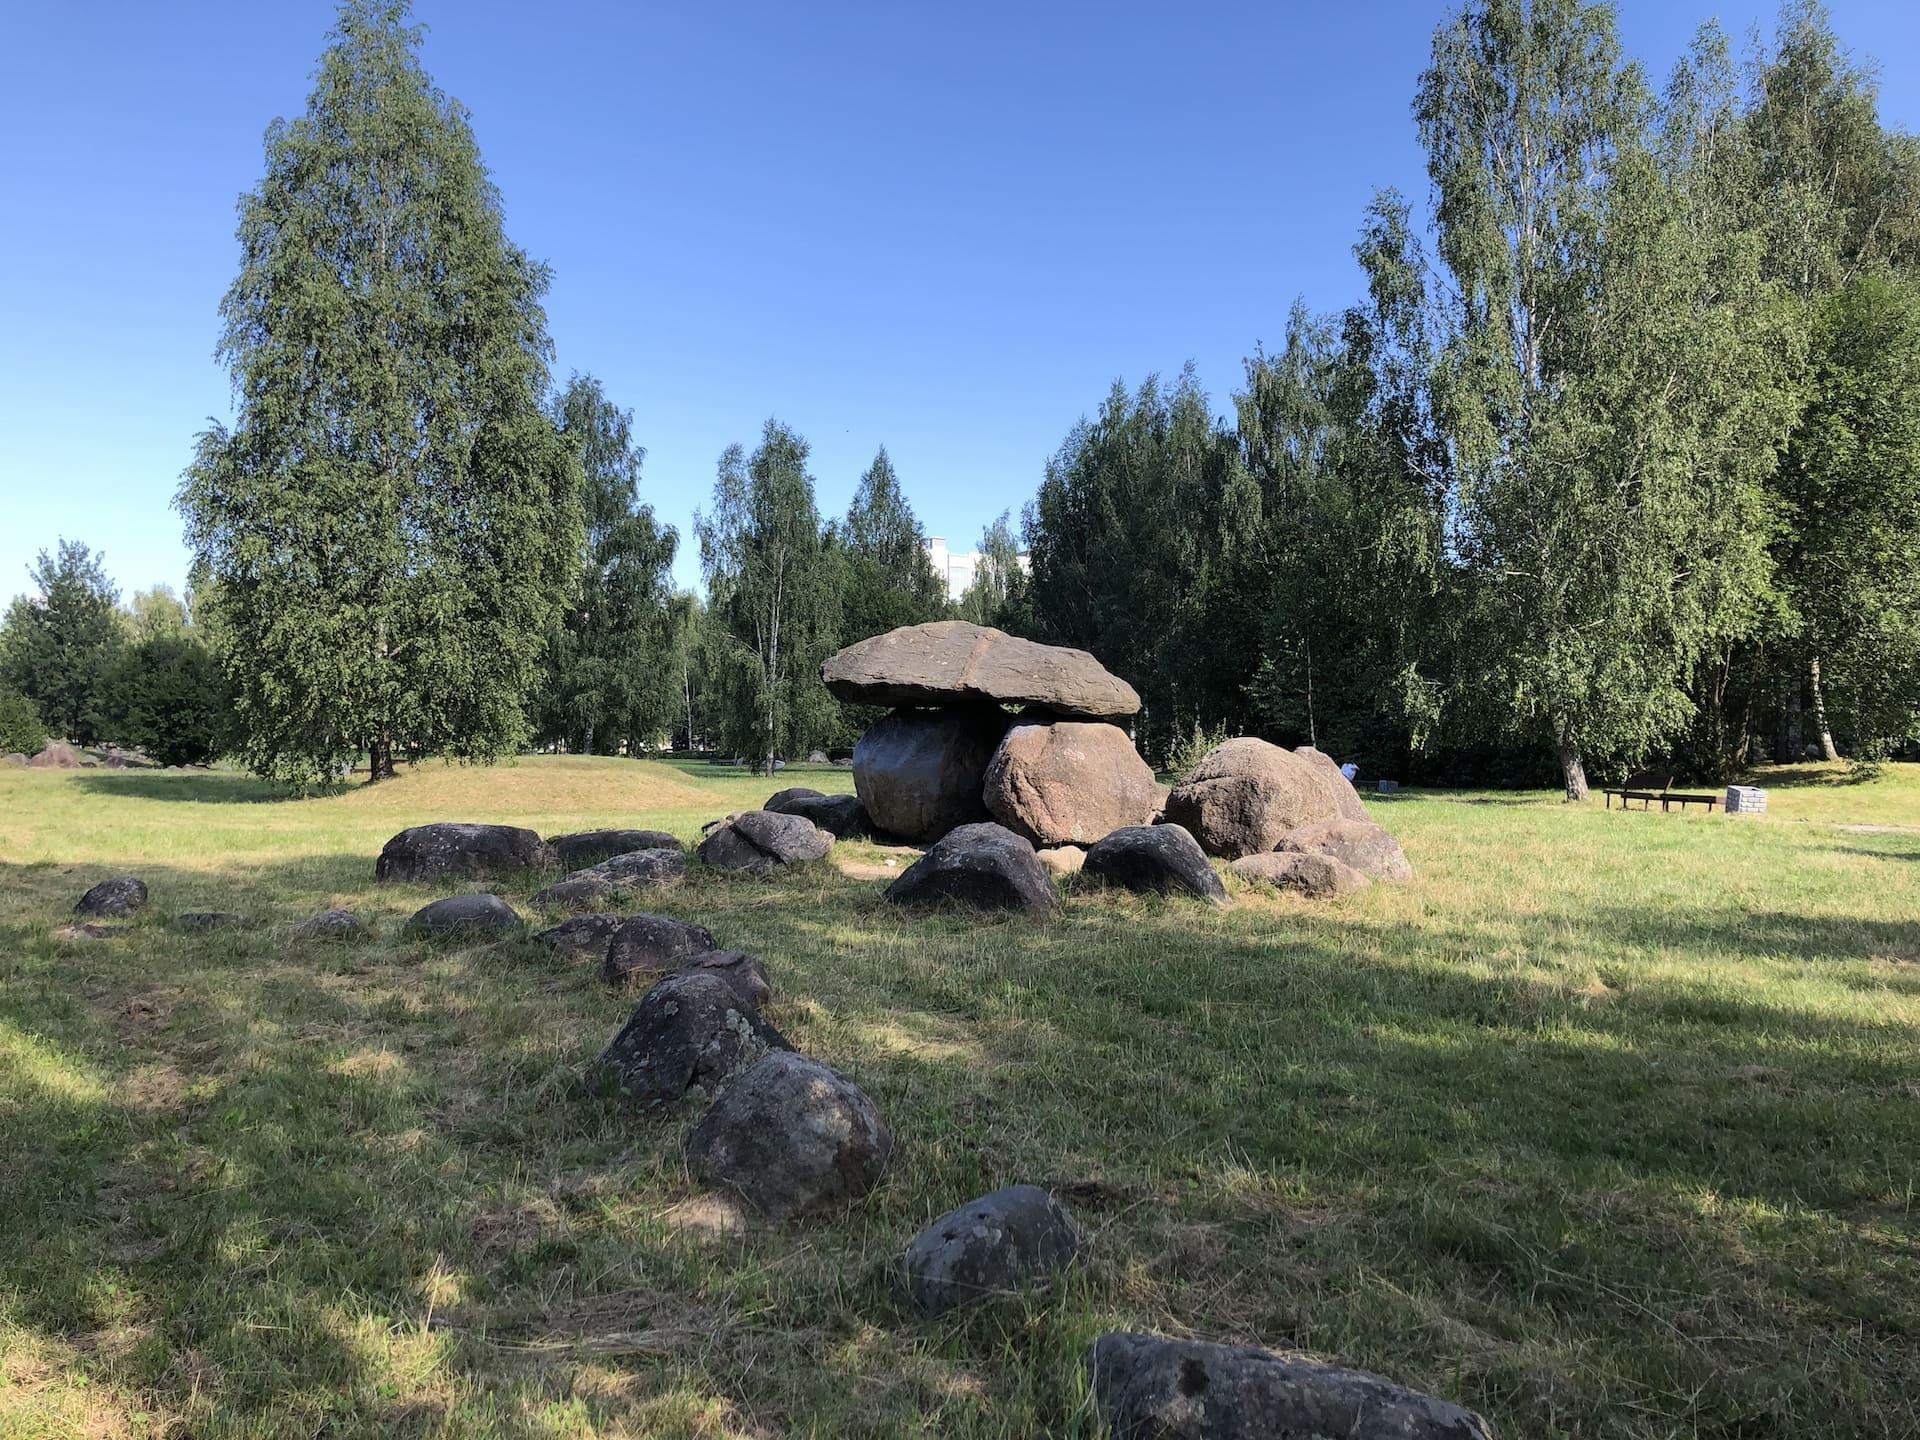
[1245, 795]
[475, 917]
[919, 774]
[995, 1245]
[1069, 783]
[778, 800]
[841, 816]
[791, 1136]
[113, 899]
[589, 847]
[16, 758]
[1318, 876]
[451, 851]
[333, 926]
[645, 947]
[743, 972]
[761, 841]
[1150, 1388]
[614, 879]
[984, 867]
[1346, 800]
[952, 662]
[689, 1030]
[580, 935]
[1360, 844]
[1155, 859]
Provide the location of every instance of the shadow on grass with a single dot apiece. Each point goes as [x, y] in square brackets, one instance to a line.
[196, 787]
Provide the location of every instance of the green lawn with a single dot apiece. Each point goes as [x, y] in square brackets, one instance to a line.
[1606, 1125]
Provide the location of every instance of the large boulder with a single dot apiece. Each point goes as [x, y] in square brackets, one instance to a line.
[465, 917]
[113, 899]
[589, 847]
[645, 947]
[1359, 843]
[1069, 783]
[952, 662]
[791, 1135]
[57, 756]
[1150, 1388]
[995, 1245]
[984, 867]
[761, 841]
[1346, 800]
[1155, 859]
[1319, 876]
[450, 851]
[919, 773]
[1245, 795]
[841, 816]
[689, 1030]
[613, 880]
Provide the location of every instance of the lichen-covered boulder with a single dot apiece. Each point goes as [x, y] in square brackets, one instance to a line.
[645, 947]
[777, 801]
[742, 971]
[953, 662]
[585, 848]
[465, 917]
[689, 1030]
[982, 867]
[995, 1245]
[340, 927]
[1346, 800]
[1360, 844]
[1150, 1388]
[762, 841]
[114, 898]
[919, 773]
[1320, 876]
[454, 851]
[1157, 860]
[791, 1136]
[1071, 782]
[1245, 795]
[584, 936]
[614, 879]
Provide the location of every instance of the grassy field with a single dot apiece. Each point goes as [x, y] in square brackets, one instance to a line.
[1606, 1125]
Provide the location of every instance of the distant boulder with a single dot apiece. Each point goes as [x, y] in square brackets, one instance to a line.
[452, 851]
[919, 773]
[57, 756]
[589, 847]
[465, 917]
[333, 926]
[1071, 782]
[982, 867]
[952, 662]
[113, 899]
[1246, 794]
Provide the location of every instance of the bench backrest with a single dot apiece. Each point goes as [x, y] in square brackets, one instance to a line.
[1649, 780]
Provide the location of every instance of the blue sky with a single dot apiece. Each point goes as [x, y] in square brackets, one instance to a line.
[947, 229]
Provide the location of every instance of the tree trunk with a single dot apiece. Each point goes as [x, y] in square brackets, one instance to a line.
[1827, 750]
[1573, 770]
[379, 759]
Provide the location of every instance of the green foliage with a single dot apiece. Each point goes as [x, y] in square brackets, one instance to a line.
[156, 611]
[608, 682]
[996, 593]
[21, 729]
[887, 579]
[386, 534]
[773, 582]
[58, 644]
[170, 699]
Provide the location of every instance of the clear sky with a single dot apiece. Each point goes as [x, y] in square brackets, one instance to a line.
[945, 228]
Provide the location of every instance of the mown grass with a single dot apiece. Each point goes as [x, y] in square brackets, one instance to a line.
[1607, 1125]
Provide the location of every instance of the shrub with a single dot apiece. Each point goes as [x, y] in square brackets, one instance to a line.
[20, 726]
[169, 698]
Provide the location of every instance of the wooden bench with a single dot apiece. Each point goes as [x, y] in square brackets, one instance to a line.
[1648, 786]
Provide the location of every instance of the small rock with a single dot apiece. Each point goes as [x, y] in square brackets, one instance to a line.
[1319, 876]
[580, 935]
[1149, 1388]
[791, 1136]
[761, 841]
[335, 926]
[463, 852]
[995, 1245]
[57, 756]
[1062, 860]
[465, 917]
[841, 816]
[114, 899]
[589, 847]
[16, 759]
[614, 879]
[688, 1030]
[205, 920]
[645, 947]
[1361, 844]
[985, 867]
[1156, 859]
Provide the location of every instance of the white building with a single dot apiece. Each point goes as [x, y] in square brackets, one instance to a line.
[956, 567]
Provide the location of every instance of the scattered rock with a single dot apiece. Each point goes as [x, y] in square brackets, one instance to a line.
[761, 841]
[1347, 803]
[452, 851]
[114, 899]
[1156, 859]
[16, 759]
[580, 935]
[1359, 843]
[778, 800]
[337, 926]
[1245, 795]
[57, 756]
[1070, 782]
[465, 916]
[1062, 860]
[83, 932]
[791, 1135]
[1150, 1388]
[645, 947]
[1319, 876]
[818, 757]
[613, 879]
[689, 1030]
[995, 1245]
[589, 847]
[742, 971]
[951, 662]
[919, 774]
[205, 920]
[841, 816]
[985, 866]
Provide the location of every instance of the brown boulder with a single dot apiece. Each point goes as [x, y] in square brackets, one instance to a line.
[919, 773]
[950, 662]
[57, 756]
[1069, 783]
[1245, 795]
[1346, 799]
[1358, 843]
[1319, 876]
